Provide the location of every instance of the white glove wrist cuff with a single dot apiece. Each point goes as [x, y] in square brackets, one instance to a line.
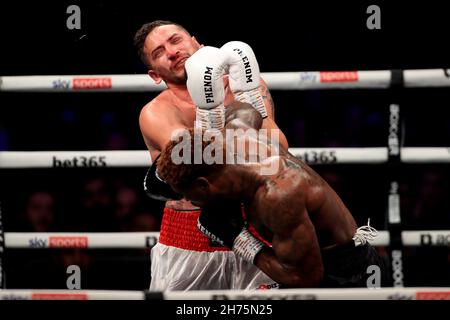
[247, 246]
[255, 98]
[210, 118]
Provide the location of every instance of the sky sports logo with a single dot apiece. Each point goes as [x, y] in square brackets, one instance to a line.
[59, 242]
[92, 83]
[84, 83]
[339, 76]
[329, 76]
[59, 296]
[433, 295]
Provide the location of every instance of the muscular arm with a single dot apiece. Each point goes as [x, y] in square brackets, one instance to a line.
[242, 115]
[269, 122]
[157, 128]
[294, 259]
[158, 122]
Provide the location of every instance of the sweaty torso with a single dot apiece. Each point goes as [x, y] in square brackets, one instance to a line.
[294, 193]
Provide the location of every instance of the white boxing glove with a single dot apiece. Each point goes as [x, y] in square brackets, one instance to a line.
[205, 70]
[244, 76]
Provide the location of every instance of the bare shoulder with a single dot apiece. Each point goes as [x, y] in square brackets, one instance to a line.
[159, 119]
[288, 181]
[281, 201]
[158, 105]
[158, 112]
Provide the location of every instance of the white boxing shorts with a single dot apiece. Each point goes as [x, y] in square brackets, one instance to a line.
[185, 259]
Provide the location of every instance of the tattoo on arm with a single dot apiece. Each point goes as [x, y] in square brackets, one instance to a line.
[268, 99]
[292, 164]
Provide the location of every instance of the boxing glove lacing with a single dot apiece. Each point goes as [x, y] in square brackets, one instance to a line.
[364, 234]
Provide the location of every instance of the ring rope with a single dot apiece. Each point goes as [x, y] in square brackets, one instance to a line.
[141, 158]
[412, 293]
[280, 81]
[89, 240]
[2, 249]
[42, 294]
[142, 240]
[374, 79]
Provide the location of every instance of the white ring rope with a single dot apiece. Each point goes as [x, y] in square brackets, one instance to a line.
[425, 155]
[42, 294]
[381, 79]
[89, 240]
[411, 293]
[142, 240]
[376, 79]
[138, 158]
[316, 294]
[74, 159]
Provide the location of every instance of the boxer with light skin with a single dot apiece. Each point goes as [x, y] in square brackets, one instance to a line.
[184, 259]
[165, 47]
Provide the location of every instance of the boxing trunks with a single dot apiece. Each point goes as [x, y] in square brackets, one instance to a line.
[186, 259]
[347, 265]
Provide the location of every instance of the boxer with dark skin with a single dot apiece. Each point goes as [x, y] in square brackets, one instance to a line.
[304, 229]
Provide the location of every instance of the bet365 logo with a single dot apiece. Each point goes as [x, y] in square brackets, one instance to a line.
[80, 162]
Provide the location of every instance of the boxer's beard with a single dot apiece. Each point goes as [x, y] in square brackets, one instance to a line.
[178, 78]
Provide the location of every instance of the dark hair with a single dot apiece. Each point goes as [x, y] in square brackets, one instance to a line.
[182, 175]
[144, 31]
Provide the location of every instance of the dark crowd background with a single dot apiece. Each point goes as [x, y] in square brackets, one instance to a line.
[286, 36]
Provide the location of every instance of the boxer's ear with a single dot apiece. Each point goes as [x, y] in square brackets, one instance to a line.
[202, 183]
[155, 76]
[196, 43]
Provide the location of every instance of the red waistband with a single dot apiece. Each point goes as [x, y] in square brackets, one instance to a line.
[179, 229]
